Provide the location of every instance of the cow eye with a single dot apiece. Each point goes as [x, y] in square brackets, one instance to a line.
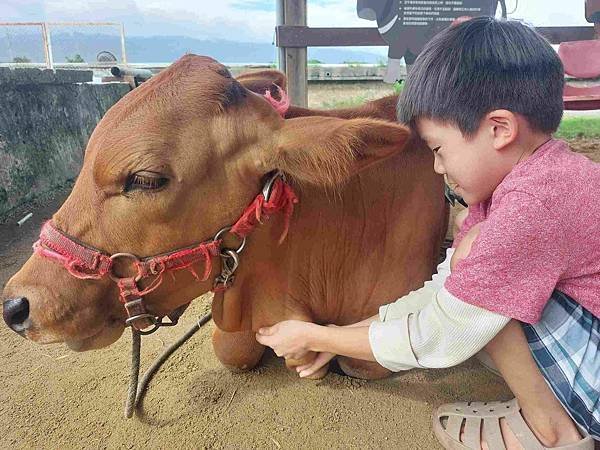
[145, 181]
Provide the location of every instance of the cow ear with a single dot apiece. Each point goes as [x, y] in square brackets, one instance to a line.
[326, 151]
[265, 80]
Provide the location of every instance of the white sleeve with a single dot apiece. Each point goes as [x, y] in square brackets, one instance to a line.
[446, 332]
[417, 300]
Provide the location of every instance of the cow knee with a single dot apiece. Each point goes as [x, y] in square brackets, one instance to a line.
[366, 370]
[237, 351]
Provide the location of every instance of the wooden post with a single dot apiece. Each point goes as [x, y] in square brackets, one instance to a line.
[295, 58]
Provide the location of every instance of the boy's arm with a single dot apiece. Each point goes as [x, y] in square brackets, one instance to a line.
[427, 328]
[289, 337]
[445, 333]
[349, 341]
[417, 300]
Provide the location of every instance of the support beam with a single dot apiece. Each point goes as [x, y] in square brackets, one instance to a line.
[280, 21]
[294, 12]
[302, 36]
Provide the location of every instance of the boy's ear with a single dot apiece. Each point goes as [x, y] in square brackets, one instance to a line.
[503, 127]
[326, 151]
[265, 80]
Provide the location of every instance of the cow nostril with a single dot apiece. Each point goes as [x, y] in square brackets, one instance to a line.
[15, 312]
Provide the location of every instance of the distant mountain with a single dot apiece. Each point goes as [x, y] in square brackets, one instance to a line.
[166, 49]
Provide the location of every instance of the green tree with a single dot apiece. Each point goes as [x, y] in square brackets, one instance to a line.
[21, 59]
[75, 59]
[354, 63]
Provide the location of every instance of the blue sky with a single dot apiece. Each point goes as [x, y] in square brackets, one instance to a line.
[238, 20]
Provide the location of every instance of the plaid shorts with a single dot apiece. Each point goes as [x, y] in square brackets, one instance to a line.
[565, 343]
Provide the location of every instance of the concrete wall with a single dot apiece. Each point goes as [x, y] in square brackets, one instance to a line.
[46, 118]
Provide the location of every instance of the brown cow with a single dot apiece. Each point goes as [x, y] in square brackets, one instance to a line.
[180, 157]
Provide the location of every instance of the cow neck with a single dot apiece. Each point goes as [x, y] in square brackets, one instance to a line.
[86, 262]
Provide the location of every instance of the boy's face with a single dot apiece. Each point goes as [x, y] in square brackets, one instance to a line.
[472, 165]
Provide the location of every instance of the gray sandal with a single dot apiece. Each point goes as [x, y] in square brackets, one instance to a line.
[482, 421]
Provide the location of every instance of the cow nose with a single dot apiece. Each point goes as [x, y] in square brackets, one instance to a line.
[15, 312]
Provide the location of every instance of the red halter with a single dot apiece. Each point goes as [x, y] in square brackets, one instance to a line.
[85, 262]
[88, 263]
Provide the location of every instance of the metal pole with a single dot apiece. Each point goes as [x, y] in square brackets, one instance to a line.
[123, 53]
[280, 16]
[47, 46]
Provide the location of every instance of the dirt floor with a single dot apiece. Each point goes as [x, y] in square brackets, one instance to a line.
[53, 398]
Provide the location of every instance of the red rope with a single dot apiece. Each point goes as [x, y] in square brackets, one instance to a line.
[282, 199]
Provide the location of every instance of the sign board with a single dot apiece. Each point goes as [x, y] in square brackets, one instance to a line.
[592, 11]
[407, 25]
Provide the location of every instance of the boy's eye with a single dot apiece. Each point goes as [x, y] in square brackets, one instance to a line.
[435, 150]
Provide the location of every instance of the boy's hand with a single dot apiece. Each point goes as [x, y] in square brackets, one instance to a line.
[320, 361]
[289, 338]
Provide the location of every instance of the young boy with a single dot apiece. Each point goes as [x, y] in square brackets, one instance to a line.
[486, 97]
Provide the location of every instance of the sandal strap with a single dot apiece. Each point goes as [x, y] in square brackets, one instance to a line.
[522, 431]
[453, 426]
[472, 430]
[479, 409]
[492, 434]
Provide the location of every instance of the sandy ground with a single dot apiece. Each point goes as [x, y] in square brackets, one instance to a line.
[52, 398]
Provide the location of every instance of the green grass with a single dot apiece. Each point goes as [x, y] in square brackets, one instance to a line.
[572, 127]
[398, 87]
[349, 102]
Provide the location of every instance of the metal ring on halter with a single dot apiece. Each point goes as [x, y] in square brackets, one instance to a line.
[269, 185]
[230, 255]
[222, 231]
[152, 318]
[135, 259]
[156, 324]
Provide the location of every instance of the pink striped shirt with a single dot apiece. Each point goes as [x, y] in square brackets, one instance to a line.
[540, 232]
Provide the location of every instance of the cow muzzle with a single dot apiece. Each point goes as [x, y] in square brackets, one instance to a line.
[15, 312]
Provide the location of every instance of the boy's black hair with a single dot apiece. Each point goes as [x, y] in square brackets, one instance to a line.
[481, 65]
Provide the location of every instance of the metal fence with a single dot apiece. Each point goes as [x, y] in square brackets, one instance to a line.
[53, 44]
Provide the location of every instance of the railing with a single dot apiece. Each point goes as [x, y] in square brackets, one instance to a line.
[45, 32]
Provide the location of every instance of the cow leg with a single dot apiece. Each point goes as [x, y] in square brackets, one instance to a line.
[237, 351]
[291, 364]
[366, 370]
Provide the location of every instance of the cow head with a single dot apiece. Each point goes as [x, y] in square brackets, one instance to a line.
[170, 164]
